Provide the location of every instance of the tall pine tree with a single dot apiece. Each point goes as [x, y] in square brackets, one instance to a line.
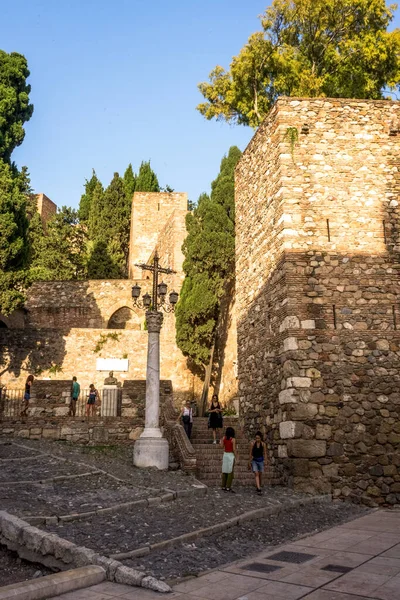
[146, 180]
[209, 251]
[129, 182]
[86, 198]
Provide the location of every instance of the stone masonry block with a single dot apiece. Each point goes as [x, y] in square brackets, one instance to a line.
[291, 322]
[287, 396]
[290, 343]
[302, 412]
[323, 432]
[306, 448]
[290, 429]
[299, 382]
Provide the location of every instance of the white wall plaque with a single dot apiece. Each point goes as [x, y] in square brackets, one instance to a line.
[112, 364]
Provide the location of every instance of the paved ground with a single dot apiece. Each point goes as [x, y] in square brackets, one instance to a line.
[359, 560]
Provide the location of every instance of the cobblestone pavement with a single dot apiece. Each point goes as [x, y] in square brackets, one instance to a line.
[358, 560]
[115, 460]
[130, 529]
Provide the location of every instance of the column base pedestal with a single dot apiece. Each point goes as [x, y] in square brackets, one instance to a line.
[151, 452]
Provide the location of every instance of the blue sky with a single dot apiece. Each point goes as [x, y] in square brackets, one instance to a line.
[116, 82]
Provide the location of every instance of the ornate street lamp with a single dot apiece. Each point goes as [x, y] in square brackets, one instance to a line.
[151, 449]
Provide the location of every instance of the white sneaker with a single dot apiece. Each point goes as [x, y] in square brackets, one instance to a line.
[215, 441]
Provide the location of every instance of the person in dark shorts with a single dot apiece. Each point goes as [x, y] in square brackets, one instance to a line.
[92, 400]
[258, 456]
[215, 417]
[27, 395]
[75, 391]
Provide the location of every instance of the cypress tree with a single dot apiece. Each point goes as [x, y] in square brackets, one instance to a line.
[95, 221]
[86, 198]
[209, 251]
[129, 182]
[146, 180]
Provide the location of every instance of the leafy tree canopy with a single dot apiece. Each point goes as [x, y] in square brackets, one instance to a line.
[209, 251]
[312, 48]
[61, 253]
[15, 109]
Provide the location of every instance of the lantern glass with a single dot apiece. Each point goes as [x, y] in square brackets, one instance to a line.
[146, 300]
[162, 289]
[136, 289]
[173, 298]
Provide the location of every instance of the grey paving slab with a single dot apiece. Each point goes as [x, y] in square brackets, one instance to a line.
[369, 547]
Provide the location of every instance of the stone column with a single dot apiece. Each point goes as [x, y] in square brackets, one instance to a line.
[151, 449]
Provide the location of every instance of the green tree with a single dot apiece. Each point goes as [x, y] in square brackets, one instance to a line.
[14, 191]
[328, 48]
[147, 180]
[86, 198]
[102, 264]
[96, 224]
[209, 251]
[61, 253]
[129, 182]
[109, 230]
[15, 109]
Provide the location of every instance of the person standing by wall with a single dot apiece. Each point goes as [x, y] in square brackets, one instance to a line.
[75, 391]
[93, 398]
[215, 417]
[27, 395]
[229, 459]
[186, 417]
[257, 459]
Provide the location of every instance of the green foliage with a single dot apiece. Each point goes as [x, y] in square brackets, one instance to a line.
[15, 109]
[209, 251]
[103, 339]
[291, 137]
[86, 198]
[332, 48]
[60, 254]
[54, 369]
[147, 180]
[14, 190]
[129, 183]
[109, 230]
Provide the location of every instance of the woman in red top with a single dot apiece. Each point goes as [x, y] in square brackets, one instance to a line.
[228, 443]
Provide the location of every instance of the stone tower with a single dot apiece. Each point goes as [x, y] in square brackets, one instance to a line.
[317, 255]
[158, 220]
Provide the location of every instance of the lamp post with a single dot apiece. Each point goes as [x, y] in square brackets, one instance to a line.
[151, 449]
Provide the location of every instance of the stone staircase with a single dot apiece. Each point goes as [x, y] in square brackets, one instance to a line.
[209, 456]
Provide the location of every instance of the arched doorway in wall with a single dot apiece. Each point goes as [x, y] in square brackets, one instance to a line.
[125, 318]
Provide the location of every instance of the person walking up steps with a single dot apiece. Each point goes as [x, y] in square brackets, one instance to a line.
[229, 459]
[258, 456]
[75, 391]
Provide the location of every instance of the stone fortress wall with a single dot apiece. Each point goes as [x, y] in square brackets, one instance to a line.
[63, 321]
[317, 249]
[45, 207]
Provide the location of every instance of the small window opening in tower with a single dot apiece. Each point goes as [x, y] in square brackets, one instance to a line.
[328, 230]
[158, 206]
[394, 316]
[384, 231]
[334, 316]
